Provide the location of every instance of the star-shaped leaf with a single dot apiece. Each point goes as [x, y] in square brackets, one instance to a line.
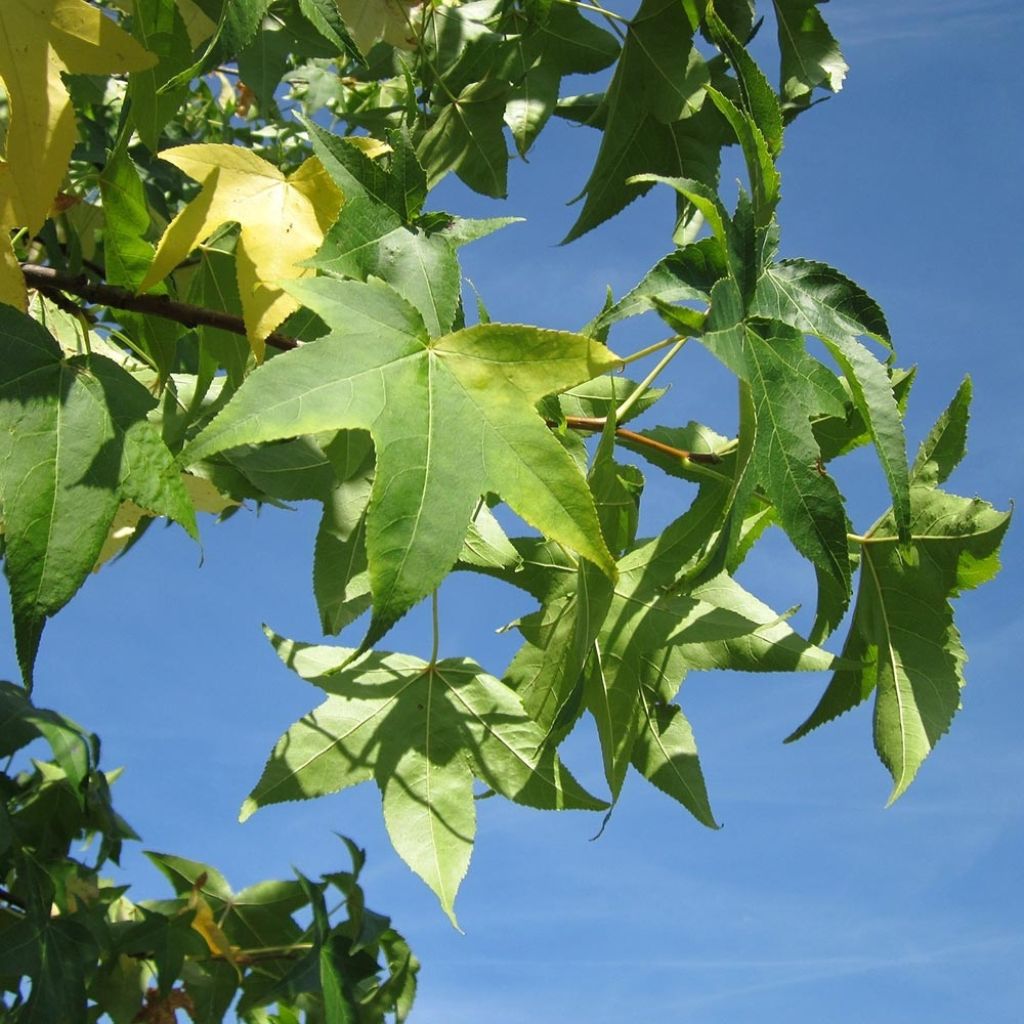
[451, 418]
[903, 634]
[40, 41]
[283, 221]
[656, 119]
[422, 732]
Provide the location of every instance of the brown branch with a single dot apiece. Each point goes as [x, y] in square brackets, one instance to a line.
[598, 423]
[47, 279]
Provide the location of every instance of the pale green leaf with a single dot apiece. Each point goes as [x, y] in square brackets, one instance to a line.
[422, 732]
[447, 427]
[665, 753]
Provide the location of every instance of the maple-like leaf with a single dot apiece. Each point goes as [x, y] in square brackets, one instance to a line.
[422, 732]
[655, 115]
[451, 417]
[903, 639]
[40, 41]
[283, 221]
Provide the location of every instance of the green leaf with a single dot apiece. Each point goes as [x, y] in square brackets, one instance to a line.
[75, 441]
[446, 426]
[127, 255]
[619, 640]
[818, 300]
[811, 57]
[665, 754]
[903, 633]
[159, 27]
[55, 954]
[369, 239]
[765, 181]
[758, 99]
[254, 918]
[785, 456]
[688, 274]
[467, 138]
[422, 732]
[941, 451]
[655, 120]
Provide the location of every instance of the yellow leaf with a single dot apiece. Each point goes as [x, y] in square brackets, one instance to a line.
[12, 281]
[39, 41]
[198, 26]
[283, 222]
[122, 529]
[369, 21]
[212, 934]
[204, 496]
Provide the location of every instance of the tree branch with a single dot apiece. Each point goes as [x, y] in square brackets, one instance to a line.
[598, 423]
[47, 279]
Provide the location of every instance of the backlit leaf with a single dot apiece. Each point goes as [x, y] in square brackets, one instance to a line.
[446, 426]
[53, 38]
[422, 732]
[283, 221]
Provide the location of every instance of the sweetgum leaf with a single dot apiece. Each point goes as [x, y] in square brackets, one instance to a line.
[422, 732]
[451, 418]
[468, 138]
[903, 633]
[53, 38]
[655, 117]
[619, 639]
[158, 26]
[283, 221]
[369, 239]
[665, 754]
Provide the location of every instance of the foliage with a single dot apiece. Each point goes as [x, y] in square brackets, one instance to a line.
[221, 282]
[80, 938]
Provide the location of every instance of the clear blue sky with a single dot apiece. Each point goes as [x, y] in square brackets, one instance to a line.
[813, 905]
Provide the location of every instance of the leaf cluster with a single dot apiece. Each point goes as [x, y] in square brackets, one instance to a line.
[222, 284]
[74, 945]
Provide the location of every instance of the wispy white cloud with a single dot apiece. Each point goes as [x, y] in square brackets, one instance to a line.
[873, 22]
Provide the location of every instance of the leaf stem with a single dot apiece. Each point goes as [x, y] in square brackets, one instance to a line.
[435, 628]
[632, 399]
[650, 350]
[597, 423]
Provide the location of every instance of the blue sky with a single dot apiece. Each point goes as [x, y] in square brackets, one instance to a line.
[812, 904]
